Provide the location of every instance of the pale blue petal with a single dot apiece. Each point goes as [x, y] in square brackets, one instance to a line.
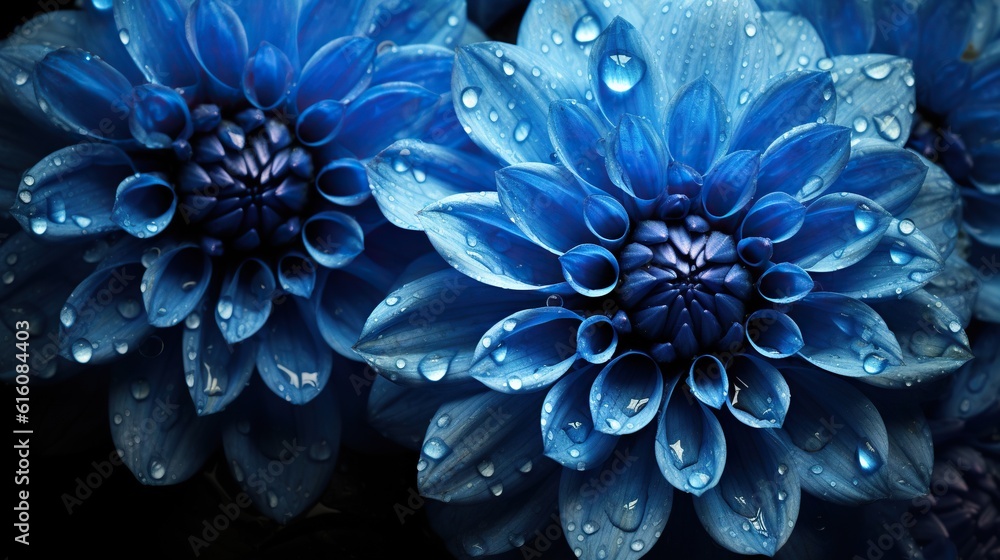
[797, 44]
[424, 65]
[937, 211]
[626, 395]
[690, 445]
[596, 339]
[874, 93]
[434, 22]
[619, 75]
[174, 284]
[805, 161]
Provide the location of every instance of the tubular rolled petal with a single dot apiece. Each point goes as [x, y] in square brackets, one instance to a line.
[159, 116]
[708, 381]
[245, 300]
[297, 274]
[344, 182]
[596, 339]
[784, 283]
[637, 158]
[754, 251]
[690, 445]
[607, 219]
[174, 285]
[569, 435]
[320, 122]
[626, 395]
[730, 186]
[776, 216]
[333, 239]
[773, 334]
[758, 394]
[144, 205]
[590, 269]
[156, 39]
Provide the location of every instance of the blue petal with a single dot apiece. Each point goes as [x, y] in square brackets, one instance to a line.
[637, 160]
[945, 34]
[297, 274]
[805, 161]
[345, 298]
[890, 176]
[268, 77]
[980, 213]
[343, 182]
[104, 317]
[911, 449]
[936, 211]
[957, 285]
[576, 133]
[304, 439]
[424, 65]
[606, 219]
[975, 386]
[690, 445]
[931, 338]
[338, 71]
[173, 286]
[319, 20]
[333, 239]
[839, 230]
[144, 205]
[409, 175]
[716, 40]
[903, 261]
[596, 339]
[754, 506]
[154, 34]
[17, 84]
[435, 22]
[847, 27]
[708, 381]
[626, 395]
[800, 43]
[215, 371]
[698, 125]
[472, 233]
[569, 435]
[880, 90]
[767, 117]
[784, 283]
[159, 116]
[245, 300]
[428, 330]
[402, 414]
[385, 113]
[835, 438]
[591, 270]
[483, 88]
[755, 251]
[273, 24]
[485, 446]
[730, 186]
[776, 216]
[547, 203]
[773, 333]
[292, 358]
[83, 93]
[218, 41]
[70, 193]
[758, 394]
[153, 423]
[526, 351]
[622, 514]
[619, 76]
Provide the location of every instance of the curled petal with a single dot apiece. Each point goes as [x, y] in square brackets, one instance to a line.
[576, 132]
[294, 364]
[144, 205]
[784, 283]
[154, 34]
[567, 426]
[218, 40]
[730, 186]
[245, 300]
[698, 125]
[626, 394]
[767, 117]
[344, 182]
[773, 334]
[215, 371]
[159, 116]
[320, 122]
[546, 202]
[98, 93]
[173, 286]
[590, 269]
[805, 161]
[333, 239]
[690, 445]
[340, 70]
[776, 216]
[758, 394]
[596, 339]
[607, 219]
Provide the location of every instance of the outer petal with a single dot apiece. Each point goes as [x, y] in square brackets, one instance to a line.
[292, 358]
[245, 300]
[875, 93]
[805, 161]
[626, 395]
[386, 113]
[569, 435]
[618, 73]
[690, 445]
[154, 34]
[698, 126]
[402, 414]
[215, 371]
[435, 22]
[767, 117]
[174, 284]
[890, 176]
[339, 71]
[975, 387]
[937, 211]
[758, 394]
[342, 305]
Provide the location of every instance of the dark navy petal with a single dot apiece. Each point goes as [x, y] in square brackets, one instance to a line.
[784, 283]
[844, 336]
[769, 115]
[402, 414]
[626, 394]
[292, 358]
[607, 219]
[83, 93]
[481, 447]
[154, 34]
[159, 116]
[847, 27]
[409, 175]
[547, 203]
[890, 176]
[218, 41]
[274, 24]
[835, 437]
[730, 186]
[144, 205]
[708, 381]
[173, 285]
[153, 423]
[754, 507]
[568, 430]
[320, 20]
[618, 508]
[384, 114]
[424, 65]
[345, 298]
[333, 239]
[911, 449]
[839, 230]
[245, 300]
[975, 386]
[343, 182]
[576, 133]
[936, 211]
[930, 335]
[526, 351]
[104, 316]
[428, 330]
[619, 73]
[880, 90]
[776, 216]
[215, 371]
[903, 261]
[339, 71]
[591, 270]
[268, 77]
[487, 77]
[980, 213]
[698, 125]
[70, 193]
[637, 160]
[773, 333]
[474, 234]
[17, 82]
[758, 394]
[690, 445]
[755, 251]
[596, 339]
[297, 274]
[303, 439]
[805, 161]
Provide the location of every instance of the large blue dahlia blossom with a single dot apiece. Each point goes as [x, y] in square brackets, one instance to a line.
[692, 272]
[210, 172]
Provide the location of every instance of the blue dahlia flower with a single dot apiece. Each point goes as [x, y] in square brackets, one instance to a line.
[691, 272]
[209, 202]
[955, 49]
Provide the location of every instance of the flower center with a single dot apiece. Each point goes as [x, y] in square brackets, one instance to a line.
[682, 287]
[246, 180]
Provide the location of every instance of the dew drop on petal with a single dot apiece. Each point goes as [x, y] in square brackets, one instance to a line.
[470, 97]
[156, 469]
[123, 36]
[750, 29]
[906, 227]
[586, 29]
[82, 351]
[140, 389]
[877, 70]
[874, 364]
[522, 130]
[435, 448]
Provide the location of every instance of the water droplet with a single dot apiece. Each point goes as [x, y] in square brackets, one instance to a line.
[621, 71]
[874, 364]
[782, 495]
[864, 218]
[954, 326]
[557, 38]
[21, 78]
[434, 366]
[28, 180]
[156, 469]
[782, 469]
[497, 489]
[67, 316]
[522, 130]
[39, 225]
[193, 321]
[118, 419]
[868, 458]
[140, 389]
[470, 97]
[487, 342]
[25, 196]
[816, 469]
[614, 424]
[877, 70]
[888, 127]
[400, 363]
[555, 300]
[526, 467]
[908, 79]
[508, 68]
[637, 545]
[129, 308]
[750, 29]
[494, 116]
[812, 185]
[698, 480]
[515, 384]
[436, 448]
[906, 227]
[899, 255]
[82, 221]
[586, 29]
[225, 307]
[272, 499]
[421, 465]
[509, 325]
[824, 63]
[123, 36]
[860, 124]
[500, 354]
[486, 468]
[744, 97]
[121, 347]
[471, 240]
[82, 351]
[453, 20]
[443, 421]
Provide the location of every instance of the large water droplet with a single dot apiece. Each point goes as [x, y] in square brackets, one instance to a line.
[750, 29]
[140, 389]
[39, 225]
[470, 97]
[486, 468]
[864, 218]
[877, 70]
[906, 227]
[868, 458]
[621, 71]
[434, 366]
[21, 78]
[586, 29]
[888, 127]
[860, 124]
[521, 130]
[82, 351]
[67, 316]
[225, 307]
[698, 480]
[816, 469]
[900, 255]
[874, 364]
[123, 36]
[436, 448]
